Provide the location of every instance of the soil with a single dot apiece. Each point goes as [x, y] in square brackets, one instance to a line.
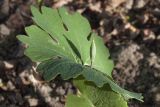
[131, 31]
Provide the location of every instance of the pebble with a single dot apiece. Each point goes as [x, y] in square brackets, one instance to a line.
[33, 102]
[129, 4]
[116, 3]
[140, 4]
[10, 86]
[8, 65]
[60, 91]
[1, 98]
[4, 30]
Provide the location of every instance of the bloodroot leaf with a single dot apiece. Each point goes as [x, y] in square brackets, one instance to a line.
[64, 45]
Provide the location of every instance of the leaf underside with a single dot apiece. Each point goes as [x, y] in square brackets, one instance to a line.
[65, 45]
[51, 68]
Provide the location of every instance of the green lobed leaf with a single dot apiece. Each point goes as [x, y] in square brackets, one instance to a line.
[94, 96]
[79, 51]
[69, 69]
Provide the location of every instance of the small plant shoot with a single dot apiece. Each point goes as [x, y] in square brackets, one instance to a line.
[65, 45]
